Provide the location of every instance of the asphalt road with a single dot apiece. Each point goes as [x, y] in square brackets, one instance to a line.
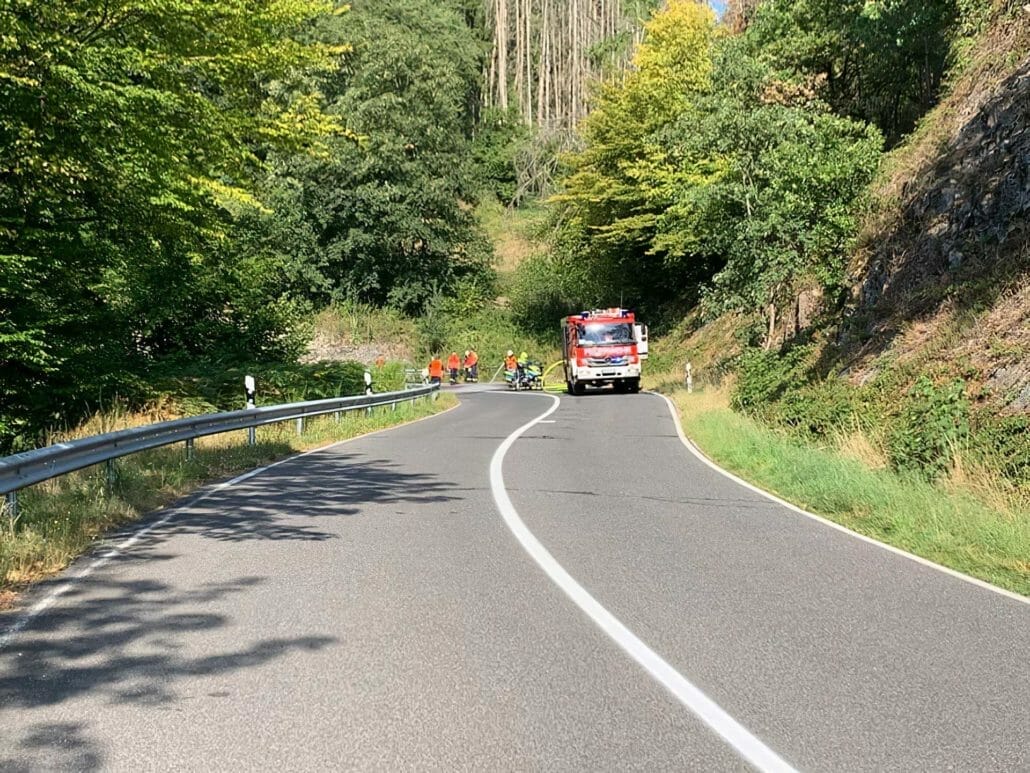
[369, 606]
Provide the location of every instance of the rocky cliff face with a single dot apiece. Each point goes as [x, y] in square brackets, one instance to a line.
[944, 273]
[969, 205]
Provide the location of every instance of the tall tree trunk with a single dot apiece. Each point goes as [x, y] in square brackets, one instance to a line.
[501, 43]
[541, 49]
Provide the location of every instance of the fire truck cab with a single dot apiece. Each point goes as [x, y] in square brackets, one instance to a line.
[603, 346]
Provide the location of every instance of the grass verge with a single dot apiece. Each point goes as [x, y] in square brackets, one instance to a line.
[60, 518]
[956, 528]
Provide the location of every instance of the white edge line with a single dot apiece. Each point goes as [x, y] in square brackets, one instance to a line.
[692, 447]
[44, 603]
[732, 732]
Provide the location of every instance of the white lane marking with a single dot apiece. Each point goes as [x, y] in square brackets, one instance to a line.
[732, 732]
[911, 556]
[47, 601]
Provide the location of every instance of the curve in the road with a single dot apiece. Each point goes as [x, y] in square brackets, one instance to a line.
[697, 452]
[747, 745]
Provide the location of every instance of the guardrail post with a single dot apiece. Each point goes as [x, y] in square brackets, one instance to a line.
[111, 474]
[251, 436]
[12, 505]
[189, 449]
[336, 417]
[300, 426]
[393, 407]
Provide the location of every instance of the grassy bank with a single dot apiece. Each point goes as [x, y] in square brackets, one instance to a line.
[982, 532]
[59, 519]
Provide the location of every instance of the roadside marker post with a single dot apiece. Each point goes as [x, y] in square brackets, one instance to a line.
[250, 390]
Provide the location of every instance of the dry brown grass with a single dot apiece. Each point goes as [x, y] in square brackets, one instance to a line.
[986, 485]
[514, 233]
[856, 444]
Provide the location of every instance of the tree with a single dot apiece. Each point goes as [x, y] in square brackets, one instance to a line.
[609, 193]
[129, 130]
[882, 62]
[389, 205]
[547, 54]
[706, 175]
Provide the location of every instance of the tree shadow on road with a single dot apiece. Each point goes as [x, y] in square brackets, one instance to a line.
[119, 642]
[128, 642]
[283, 502]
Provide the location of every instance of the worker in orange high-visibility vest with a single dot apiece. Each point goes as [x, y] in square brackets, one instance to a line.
[471, 365]
[435, 370]
[453, 366]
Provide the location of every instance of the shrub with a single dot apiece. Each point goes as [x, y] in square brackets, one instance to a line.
[1003, 443]
[542, 292]
[763, 377]
[820, 409]
[221, 387]
[932, 424]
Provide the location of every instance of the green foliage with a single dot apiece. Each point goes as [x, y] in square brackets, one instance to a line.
[490, 330]
[498, 138]
[1003, 443]
[547, 287]
[779, 388]
[129, 138]
[763, 377]
[217, 385]
[701, 176]
[185, 181]
[882, 62]
[820, 410]
[609, 203]
[932, 425]
[388, 204]
[924, 433]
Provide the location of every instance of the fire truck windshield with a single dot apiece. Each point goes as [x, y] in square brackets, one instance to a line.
[605, 333]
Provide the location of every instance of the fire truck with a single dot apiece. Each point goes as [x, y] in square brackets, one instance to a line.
[603, 346]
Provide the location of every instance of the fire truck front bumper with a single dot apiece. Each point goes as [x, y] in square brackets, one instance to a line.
[609, 373]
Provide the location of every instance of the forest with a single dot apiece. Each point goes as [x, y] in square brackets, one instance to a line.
[185, 183]
[728, 167]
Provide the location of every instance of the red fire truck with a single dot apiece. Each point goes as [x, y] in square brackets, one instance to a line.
[604, 346]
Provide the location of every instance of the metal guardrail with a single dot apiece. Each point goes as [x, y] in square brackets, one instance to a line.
[413, 378]
[26, 469]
